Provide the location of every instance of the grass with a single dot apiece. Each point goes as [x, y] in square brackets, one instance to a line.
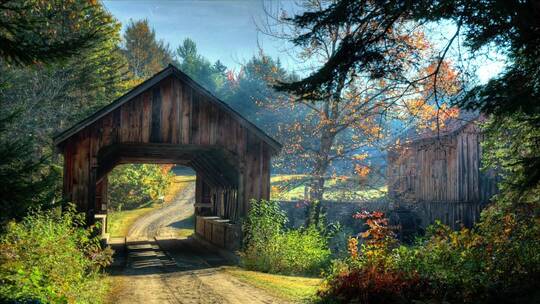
[185, 228]
[178, 184]
[119, 222]
[289, 288]
[342, 188]
[185, 232]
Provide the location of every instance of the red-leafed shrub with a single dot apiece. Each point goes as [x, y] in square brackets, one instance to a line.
[372, 284]
[368, 275]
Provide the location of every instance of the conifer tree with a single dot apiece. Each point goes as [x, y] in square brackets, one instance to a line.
[145, 54]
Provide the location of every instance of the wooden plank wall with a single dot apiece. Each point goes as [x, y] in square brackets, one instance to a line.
[172, 112]
[446, 169]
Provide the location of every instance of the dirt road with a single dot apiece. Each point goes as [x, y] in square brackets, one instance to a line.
[163, 268]
[165, 221]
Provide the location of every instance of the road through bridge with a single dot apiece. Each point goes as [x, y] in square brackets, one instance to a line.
[170, 119]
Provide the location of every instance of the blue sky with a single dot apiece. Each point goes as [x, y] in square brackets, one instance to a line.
[223, 29]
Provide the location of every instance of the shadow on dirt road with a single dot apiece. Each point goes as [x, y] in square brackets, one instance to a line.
[154, 265]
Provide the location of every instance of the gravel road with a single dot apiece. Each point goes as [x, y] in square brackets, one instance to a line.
[163, 268]
[161, 222]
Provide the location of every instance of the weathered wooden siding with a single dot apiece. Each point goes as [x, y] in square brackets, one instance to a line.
[445, 169]
[435, 172]
[171, 122]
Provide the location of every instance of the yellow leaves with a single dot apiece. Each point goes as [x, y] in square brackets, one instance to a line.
[131, 83]
[352, 246]
[360, 157]
[427, 114]
[361, 170]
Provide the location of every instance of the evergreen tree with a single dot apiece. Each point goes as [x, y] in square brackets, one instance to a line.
[212, 77]
[43, 31]
[25, 180]
[251, 92]
[145, 54]
[63, 92]
[42, 92]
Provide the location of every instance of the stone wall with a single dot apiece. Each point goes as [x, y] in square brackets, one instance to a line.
[453, 214]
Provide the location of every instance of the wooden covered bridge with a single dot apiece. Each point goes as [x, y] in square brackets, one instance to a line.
[171, 119]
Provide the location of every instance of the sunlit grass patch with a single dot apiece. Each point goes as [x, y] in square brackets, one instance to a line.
[120, 221]
[184, 178]
[340, 188]
[179, 183]
[185, 232]
[185, 227]
[290, 288]
[286, 177]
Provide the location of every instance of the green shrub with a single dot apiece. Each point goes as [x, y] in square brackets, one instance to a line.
[269, 247]
[47, 257]
[134, 185]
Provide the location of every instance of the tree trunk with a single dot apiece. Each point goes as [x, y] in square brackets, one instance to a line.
[321, 165]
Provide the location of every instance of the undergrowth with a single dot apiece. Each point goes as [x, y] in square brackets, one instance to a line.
[48, 257]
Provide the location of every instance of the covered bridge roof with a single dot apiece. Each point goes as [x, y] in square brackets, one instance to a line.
[170, 70]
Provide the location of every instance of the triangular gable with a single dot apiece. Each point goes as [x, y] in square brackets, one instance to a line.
[149, 83]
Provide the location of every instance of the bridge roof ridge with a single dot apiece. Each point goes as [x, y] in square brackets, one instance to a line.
[147, 84]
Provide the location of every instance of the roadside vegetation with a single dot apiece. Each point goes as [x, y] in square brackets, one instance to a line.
[270, 247]
[497, 261]
[49, 257]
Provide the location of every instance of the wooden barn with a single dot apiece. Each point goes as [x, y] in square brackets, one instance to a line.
[440, 176]
[171, 119]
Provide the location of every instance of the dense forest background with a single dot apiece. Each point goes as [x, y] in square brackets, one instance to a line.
[41, 99]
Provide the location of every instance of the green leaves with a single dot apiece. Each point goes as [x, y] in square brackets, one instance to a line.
[270, 247]
[134, 185]
[210, 76]
[25, 180]
[43, 31]
[47, 257]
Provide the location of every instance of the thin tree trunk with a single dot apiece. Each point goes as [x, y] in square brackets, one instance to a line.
[321, 166]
